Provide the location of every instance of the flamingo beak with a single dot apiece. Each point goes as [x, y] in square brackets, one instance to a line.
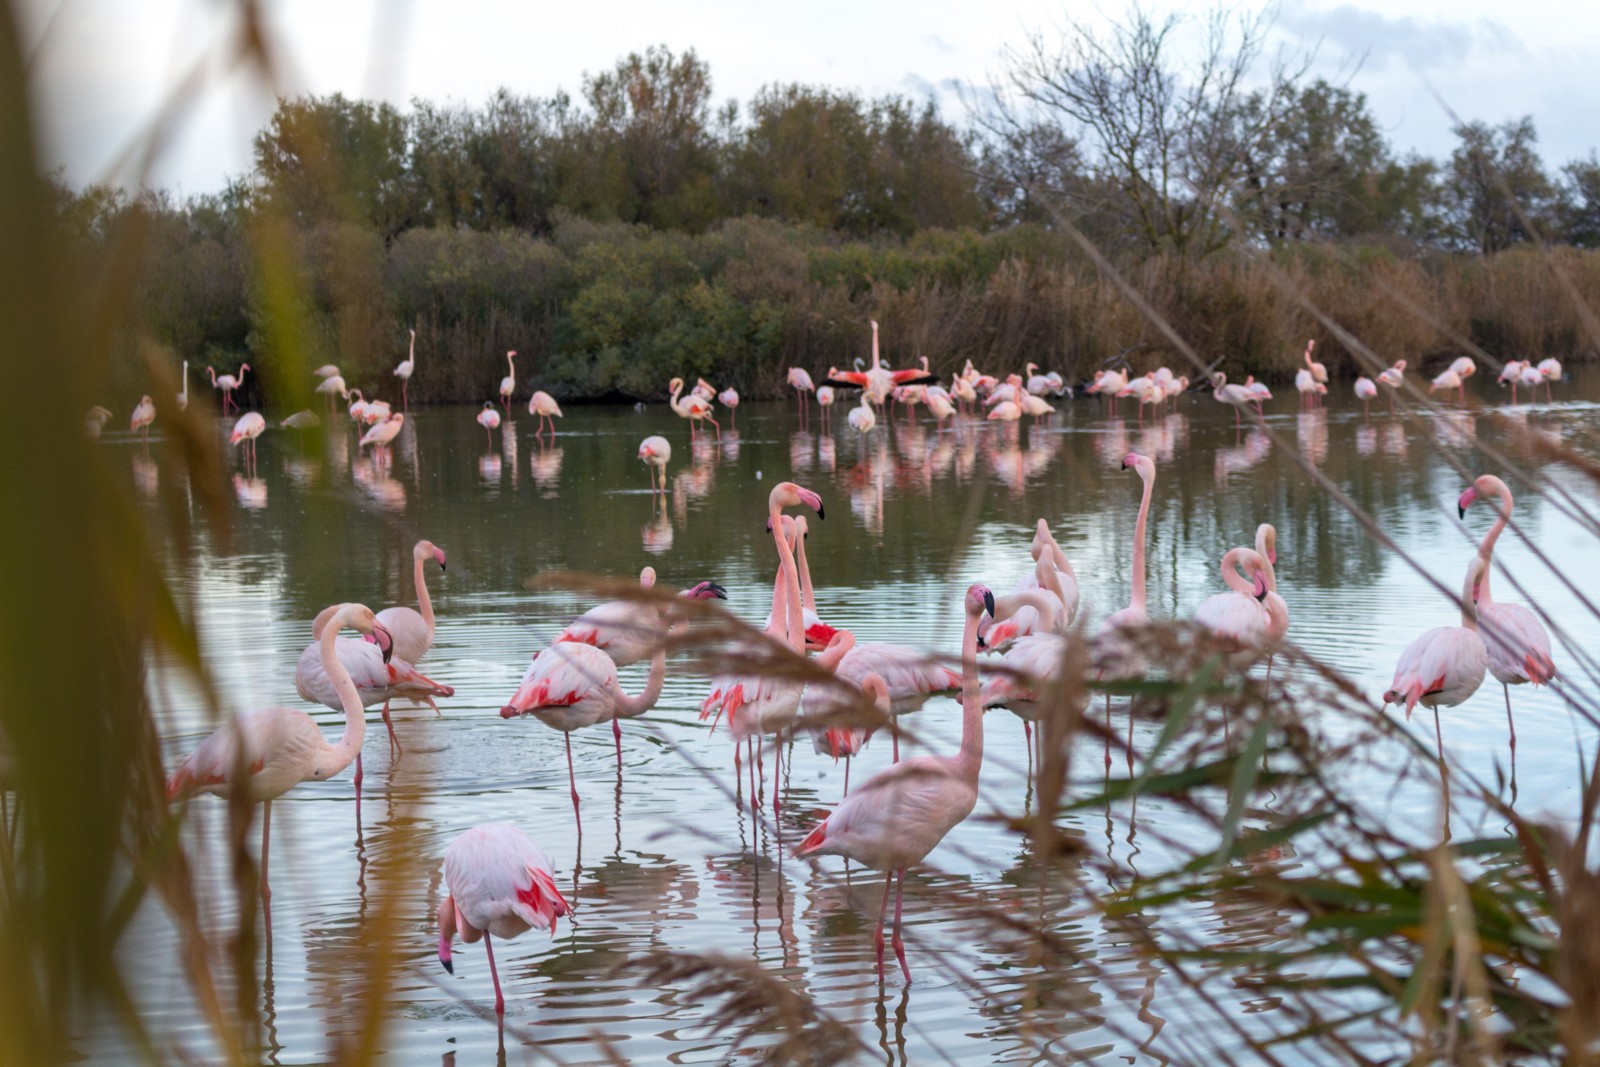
[438, 554]
[1466, 501]
[1261, 588]
[384, 640]
[988, 602]
[812, 501]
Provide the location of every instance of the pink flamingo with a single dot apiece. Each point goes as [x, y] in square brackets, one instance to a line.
[1115, 653]
[381, 434]
[1236, 395]
[1277, 609]
[144, 413]
[629, 631]
[1393, 378]
[1510, 373]
[270, 751]
[413, 628]
[818, 633]
[692, 407]
[846, 742]
[1239, 617]
[729, 398]
[228, 383]
[403, 372]
[1319, 373]
[489, 419]
[1517, 642]
[501, 884]
[656, 451]
[1550, 371]
[902, 813]
[1064, 583]
[1446, 664]
[1365, 392]
[824, 401]
[1027, 665]
[909, 677]
[544, 405]
[508, 384]
[248, 428]
[1448, 379]
[800, 380]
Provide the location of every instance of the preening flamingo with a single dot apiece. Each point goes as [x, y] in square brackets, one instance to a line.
[1319, 373]
[1517, 643]
[863, 418]
[1027, 611]
[327, 370]
[275, 749]
[1116, 653]
[825, 399]
[656, 451]
[501, 885]
[631, 630]
[1448, 379]
[489, 419]
[1238, 617]
[381, 434]
[301, 420]
[331, 387]
[1044, 548]
[902, 813]
[508, 384]
[544, 405]
[95, 421]
[1393, 378]
[1447, 663]
[144, 413]
[1365, 391]
[403, 371]
[248, 428]
[692, 407]
[228, 383]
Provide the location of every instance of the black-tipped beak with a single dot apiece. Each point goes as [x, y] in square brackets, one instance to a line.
[449, 966]
[717, 591]
[384, 640]
[441, 565]
[988, 603]
[769, 524]
[1124, 464]
[820, 515]
[1461, 512]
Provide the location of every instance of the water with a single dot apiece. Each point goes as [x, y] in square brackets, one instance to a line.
[667, 860]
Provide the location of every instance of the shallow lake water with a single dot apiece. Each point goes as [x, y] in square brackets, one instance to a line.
[667, 859]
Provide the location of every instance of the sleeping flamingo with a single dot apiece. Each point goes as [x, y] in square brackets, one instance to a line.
[1517, 643]
[544, 405]
[902, 813]
[1393, 378]
[729, 398]
[1447, 663]
[1365, 391]
[1550, 371]
[276, 749]
[403, 372]
[228, 383]
[144, 413]
[1319, 373]
[489, 419]
[248, 428]
[1116, 655]
[656, 451]
[501, 885]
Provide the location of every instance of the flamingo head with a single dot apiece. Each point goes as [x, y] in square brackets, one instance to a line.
[383, 639]
[980, 601]
[428, 550]
[1218, 380]
[242, 368]
[645, 451]
[512, 354]
[1260, 586]
[1466, 500]
[1143, 464]
[1399, 364]
[705, 591]
[790, 495]
[675, 386]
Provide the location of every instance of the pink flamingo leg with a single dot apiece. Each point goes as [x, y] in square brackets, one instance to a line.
[1510, 721]
[394, 742]
[572, 779]
[616, 732]
[899, 944]
[1108, 731]
[877, 934]
[499, 998]
[358, 794]
[266, 854]
[847, 776]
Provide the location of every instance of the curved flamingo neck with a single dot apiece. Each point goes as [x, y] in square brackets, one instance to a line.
[240, 379]
[424, 602]
[970, 761]
[794, 632]
[843, 641]
[1486, 550]
[628, 706]
[1469, 606]
[411, 353]
[1138, 600]
[1041, 600]
[331, 759]
[808, 598]
[1231, 576]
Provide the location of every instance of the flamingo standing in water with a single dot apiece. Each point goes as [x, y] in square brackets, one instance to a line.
[1238, 616]
[846, 742]
[275, 749]
[1510, 374]
[802, 384]
[508, 384]
[1365, 392]
[1446, 664]
[544, 405]
[825, 400]
[1448, 379]
[1319, 372]
[183, 397]
[862, 418]
[248, 428]
[228, 383]
[692, 407]
[1236, 395]
[656, 451]
[902, 813]
[818, 633]
[1115, 653]
[1550, 371]
[413, 628]
[1517, 643]
[144, 413]
[489, 419]
[878, 381]
[910, 679]
[403, 372]
[729, 398]
[1393, 378]
[382, 433]
[501, 885]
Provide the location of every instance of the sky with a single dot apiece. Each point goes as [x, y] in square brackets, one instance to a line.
[101, 69]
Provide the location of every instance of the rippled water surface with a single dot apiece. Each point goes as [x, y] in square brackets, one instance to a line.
[666, 858]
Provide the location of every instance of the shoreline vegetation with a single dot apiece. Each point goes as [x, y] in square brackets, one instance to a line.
[637, 235]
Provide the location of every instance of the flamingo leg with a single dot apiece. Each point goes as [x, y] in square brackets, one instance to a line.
[777, 775]
[572, 779]
[1108, 731]
[894, 732]
[616, 732]
[1027, 740]
[1130, 739]
[499, 998]
[847, 776]
[899, 944]
[266, 853]
[394, 742]
[1510, 721]
[1438, 735]
[877, 934]
[358, 778]
[755, 804]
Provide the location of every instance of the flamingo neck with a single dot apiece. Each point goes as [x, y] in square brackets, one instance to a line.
[828, 659]
[970, 761]
[186, 379]
[874, 346]
[1041, 600]
[628, 706]
[240, 379]
[411, 353]
[1137, 600]
[794, 625]
[331, 759]
[808, 598]
[424, 602]
[1231, 576]
[1486, 550]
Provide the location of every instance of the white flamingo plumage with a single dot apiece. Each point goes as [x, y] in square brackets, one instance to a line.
[227, 383]
[381, 434]
[144, 413]
[403, 372]
[508, 384]
[1236, 395]
[1445, 665]
[862, 418]
[489, 419]
[544, 405]
[656, 452]
[1393, 378]
[248, 428]
[1366, 391]
[692, 407]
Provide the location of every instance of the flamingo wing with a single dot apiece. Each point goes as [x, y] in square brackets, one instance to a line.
[273, 747]
[410, 632]
[502, 882]
[1517, 643]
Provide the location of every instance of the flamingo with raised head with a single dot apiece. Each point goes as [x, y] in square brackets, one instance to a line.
[818, 633]
[656, 451]
[1319, 373]
[1116, 653]
[489, 419]
[692, 407]
[227, 383]
[413, 628]
[275, 749]
[800, 381]
[508, 384]
[248, 428]
[877, 381]
[544, 405]
[1236, 395]
[1444, 666]
[501, 885]
[404, 369]
[902, 813]
[1518, 645]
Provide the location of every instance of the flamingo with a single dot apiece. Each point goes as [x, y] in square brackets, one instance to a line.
[144, 413]
[802, 384]
[1065, 581]
[1448, 379]
[1531, 378]
[1005, 411]
[939, 403]
[1031, 609]
[403, 371]
[1464, 366]
[183, 397]
[489, 419]
[1237, 395]
[767, 703]
[412, 629]
[692, 407]
[544, 405]
[1038, 384]
[825, 399]
[1365, 391]
[1511, 373]
[1277, 609]
[1115, 654]
[877, 380]
[1038, 407]
[963, 391]
[358, 407]
[656, 451]
[1446, 664]
[1030, 663]
[375, 412]
[1517, 643]
[327, 370]
[1109, 383]
[630, 630]
[704, 390]
[301, 420]
[508, 384]
[902, 813]
[228, 383]
[1393, 378]
[384, 432]
[846, 742]
[862, 418]
[270, 751]
[571, 685]
[1319, 373]
[818, 634]
[1550, 370]
[1238, 617]
[331, 387]
[501, 884]
[1258, 392]
[248, 428]
[909, 677]
[729, 398]
[1307, 386]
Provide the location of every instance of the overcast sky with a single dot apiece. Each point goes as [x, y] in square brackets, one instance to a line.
[100, 68]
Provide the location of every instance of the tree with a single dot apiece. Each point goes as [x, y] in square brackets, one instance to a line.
[332, 159]
[1496, 190]
[1580, 202]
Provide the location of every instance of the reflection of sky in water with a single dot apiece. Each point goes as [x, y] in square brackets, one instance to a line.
[914, 514]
